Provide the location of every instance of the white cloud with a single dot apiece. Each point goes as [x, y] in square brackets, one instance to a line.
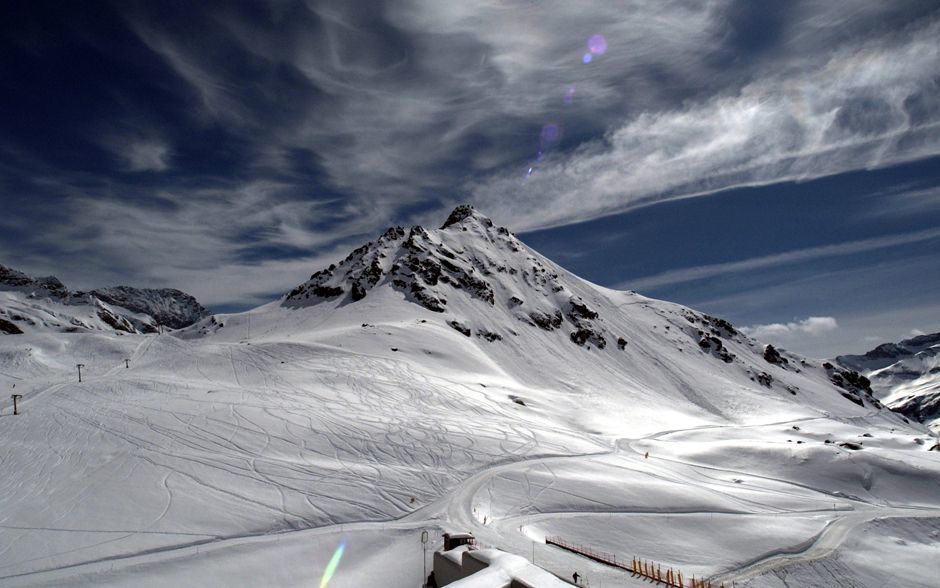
[448, 97]
[405, 105]
[137, 152]
[147, 156]
[812, 326]
[689, 274]
[851, 112]
[214, 96]
[201, 240]
[905, 201]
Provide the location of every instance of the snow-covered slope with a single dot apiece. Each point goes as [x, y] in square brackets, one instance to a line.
[448, 379]
[28, 303]
[474, 287]
[905, 376]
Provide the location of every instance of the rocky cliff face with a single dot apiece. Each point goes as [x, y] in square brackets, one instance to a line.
[11, 279]
[905, 375]
[888, 354]
[29, 302]
[167, 306]
[468, 257]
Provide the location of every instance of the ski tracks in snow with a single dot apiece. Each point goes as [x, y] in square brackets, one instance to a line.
[340, 429]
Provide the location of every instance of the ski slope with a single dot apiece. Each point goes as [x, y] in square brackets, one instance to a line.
[244, 450]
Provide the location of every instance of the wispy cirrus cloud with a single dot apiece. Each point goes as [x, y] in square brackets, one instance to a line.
[767, 261]
[810, 326]
[254, 134]
[867, 105]
[411, 99]
[230, 246]
[148, 156]
[140, 154]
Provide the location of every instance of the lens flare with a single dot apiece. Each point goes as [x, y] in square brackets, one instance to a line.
[331, 567]
[587, 58]
[569, 94]
[550, 133]
[597, 45]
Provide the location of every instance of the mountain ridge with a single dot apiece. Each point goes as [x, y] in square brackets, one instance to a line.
[120, 308]
[519, 311]
[904, 375]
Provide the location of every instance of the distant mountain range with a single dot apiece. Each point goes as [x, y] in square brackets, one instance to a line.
[904, 375]
[29, 303]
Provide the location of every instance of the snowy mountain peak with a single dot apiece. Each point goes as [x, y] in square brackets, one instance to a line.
[28, 302]
[11, 279]
[887, 354]
[426, 266]
[905, 375]
[480, 264]
[475, 280]
[466, 212]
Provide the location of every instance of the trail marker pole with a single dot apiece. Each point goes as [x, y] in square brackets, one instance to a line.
[424, 543]
[127, 363]
[79, 366]
[15, 397]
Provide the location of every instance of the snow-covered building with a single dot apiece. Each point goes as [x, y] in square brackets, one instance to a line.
[465, 566]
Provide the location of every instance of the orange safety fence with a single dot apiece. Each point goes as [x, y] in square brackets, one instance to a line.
[636, 566]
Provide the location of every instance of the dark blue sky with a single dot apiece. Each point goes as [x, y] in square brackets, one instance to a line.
[775, 165]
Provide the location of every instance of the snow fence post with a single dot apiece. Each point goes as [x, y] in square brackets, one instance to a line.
[79, 366]
[15, 397]
[424, 544]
